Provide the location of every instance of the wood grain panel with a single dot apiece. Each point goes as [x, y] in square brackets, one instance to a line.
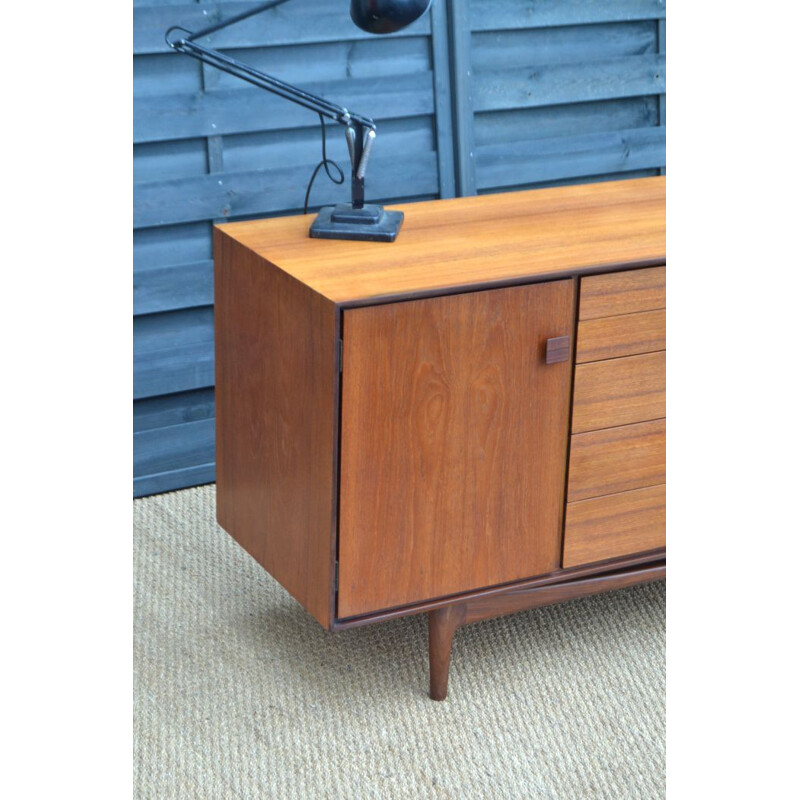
[615, 525]
[447, 244]
[623, 293]
[276, 384]
[617, 459]
[619, 392]
[626, 335]
[453, 451]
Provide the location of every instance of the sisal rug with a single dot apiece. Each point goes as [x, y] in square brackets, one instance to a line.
[239, 693]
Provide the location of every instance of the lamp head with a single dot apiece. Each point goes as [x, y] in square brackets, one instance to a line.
[386, 16]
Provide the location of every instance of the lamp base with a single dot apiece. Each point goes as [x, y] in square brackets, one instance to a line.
[368, 224]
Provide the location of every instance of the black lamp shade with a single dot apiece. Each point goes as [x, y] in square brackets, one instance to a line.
[386, 16]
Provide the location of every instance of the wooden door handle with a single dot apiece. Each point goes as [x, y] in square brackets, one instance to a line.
[557, 350]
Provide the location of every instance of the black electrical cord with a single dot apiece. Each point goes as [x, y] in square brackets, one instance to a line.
[327, 163]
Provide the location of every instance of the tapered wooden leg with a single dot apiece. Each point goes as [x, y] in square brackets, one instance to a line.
[442, 624]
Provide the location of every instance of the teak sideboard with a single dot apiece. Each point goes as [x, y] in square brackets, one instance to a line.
[467, 422]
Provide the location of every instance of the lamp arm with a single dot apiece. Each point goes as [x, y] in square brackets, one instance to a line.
[245, 72]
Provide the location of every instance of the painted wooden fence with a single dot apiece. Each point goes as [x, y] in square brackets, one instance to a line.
[478, 96]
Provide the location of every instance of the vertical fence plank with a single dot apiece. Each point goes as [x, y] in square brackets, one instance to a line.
[210, 80]
[461, 81]
[443, 99]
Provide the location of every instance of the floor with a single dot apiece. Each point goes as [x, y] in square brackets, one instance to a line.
[238, 692]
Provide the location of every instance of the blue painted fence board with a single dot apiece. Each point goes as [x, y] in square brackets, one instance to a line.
[269, 191]
[173, 287]
[522, 163]
[159, 160]
[511, 14]
[173, 409]
[522, 48]
[174, 447]
[164, 331]
[541, 85]
[252, 151]
[176, 369]
[177, 244]
[581, 179]
[144, 485]
[166, 74]
[182, 116]
[478, 96]
[530, 124]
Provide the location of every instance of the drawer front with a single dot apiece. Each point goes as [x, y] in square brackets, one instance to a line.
[626, 335]
[617, 460]
[615, 525]
[619, 392]
[623, 293]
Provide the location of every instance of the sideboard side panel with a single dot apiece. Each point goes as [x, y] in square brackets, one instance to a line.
[276, 415]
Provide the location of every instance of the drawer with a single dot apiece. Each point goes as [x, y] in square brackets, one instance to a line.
[626, 335]
[623, 293]
[615, 525]
[619, 392]
[617, 460]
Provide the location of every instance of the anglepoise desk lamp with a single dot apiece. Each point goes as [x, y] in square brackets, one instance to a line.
[354, 220]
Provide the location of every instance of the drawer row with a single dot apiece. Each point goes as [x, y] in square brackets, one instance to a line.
[617, 474]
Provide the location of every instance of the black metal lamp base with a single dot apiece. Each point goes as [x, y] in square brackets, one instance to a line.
[367, 224]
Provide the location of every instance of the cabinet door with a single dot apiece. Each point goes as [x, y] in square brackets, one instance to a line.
[453, 444]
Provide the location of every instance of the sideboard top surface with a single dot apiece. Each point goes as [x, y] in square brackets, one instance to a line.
[466, 241]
